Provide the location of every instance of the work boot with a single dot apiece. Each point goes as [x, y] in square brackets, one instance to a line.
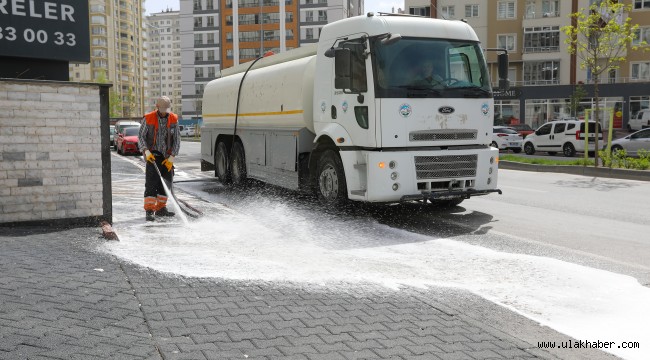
[150, 216]
[164, 212]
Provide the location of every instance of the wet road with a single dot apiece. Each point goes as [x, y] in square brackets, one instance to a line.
[575, 228]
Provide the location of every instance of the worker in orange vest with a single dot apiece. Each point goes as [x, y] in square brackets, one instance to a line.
[159, 140]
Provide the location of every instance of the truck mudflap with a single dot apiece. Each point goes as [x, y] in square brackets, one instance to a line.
[441, 195]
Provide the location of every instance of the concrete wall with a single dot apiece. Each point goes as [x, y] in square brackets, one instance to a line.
[51, 161]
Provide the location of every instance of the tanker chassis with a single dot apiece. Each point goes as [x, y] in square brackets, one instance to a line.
[359, 116]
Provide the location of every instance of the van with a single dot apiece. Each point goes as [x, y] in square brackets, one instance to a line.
[121, 125]
[567, 136]
[640, 120]
[186, 130]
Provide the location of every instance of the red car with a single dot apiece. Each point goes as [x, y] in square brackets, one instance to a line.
[127, 141]
[523, 129]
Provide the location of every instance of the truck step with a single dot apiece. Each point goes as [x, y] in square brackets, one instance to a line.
[360, 166]
[358, 192]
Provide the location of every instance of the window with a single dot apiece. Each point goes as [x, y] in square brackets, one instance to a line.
[449, 12]
[559, 128]
[309, 16]
[198, 56]
[641, 71]
[506, 10]
[358, 81]
[198, 22]
[198, 72]
[322, 15]
[421, 11]
[210, 55]
[541, 72]
[309, 33]
[471, 10]
[197, 5]
[642, 4]
[198, 39]
[544, 130]
[506, 41]
[210, 38]
[542, 39]
[210, 21]
[209, 5]
[642, 34]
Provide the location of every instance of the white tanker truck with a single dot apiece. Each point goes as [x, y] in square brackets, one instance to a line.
[355, 117]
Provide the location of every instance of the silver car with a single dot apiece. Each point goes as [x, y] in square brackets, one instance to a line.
[633, 142]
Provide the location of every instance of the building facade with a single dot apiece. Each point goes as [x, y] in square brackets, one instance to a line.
[163, 46]
[116, 53]
[543, 74]
[207, 34]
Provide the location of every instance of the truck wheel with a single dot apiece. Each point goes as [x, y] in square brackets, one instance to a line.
[529, 149]
[568, 150]
[331, 187]
[238, 164]
[221, 159]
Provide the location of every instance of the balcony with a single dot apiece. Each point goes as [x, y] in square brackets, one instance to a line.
[541, 14]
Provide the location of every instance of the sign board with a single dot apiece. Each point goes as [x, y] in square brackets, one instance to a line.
[41, 29]
[512, 93]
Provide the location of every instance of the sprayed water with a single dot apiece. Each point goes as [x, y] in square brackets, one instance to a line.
[172, 200]
[271, 241]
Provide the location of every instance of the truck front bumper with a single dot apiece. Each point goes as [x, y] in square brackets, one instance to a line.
[442, 195]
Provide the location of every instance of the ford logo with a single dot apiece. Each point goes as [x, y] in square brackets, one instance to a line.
[446, 110]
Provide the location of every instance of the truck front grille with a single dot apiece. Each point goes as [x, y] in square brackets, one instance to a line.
[450, 166]
[443, 135]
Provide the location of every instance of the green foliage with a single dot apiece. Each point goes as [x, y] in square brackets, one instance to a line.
[578, 94]
[115, 104]
[101, 78]
[539, 161]
[619, 159]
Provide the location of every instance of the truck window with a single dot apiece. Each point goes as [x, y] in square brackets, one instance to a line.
[357, 65]
[429, 67]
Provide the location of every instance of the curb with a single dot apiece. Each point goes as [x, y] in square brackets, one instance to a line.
[641, 175]
[108, 232]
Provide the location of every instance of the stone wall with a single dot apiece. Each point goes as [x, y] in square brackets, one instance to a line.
[51, 163]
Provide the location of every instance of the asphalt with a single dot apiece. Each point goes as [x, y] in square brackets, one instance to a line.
[63, 296]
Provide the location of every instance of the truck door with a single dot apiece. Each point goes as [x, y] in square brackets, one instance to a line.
[353, 104]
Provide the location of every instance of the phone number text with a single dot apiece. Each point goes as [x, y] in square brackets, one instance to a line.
[39, 36]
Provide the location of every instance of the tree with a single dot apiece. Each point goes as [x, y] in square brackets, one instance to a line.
[578, 94]
[600, 38]
[115, 104]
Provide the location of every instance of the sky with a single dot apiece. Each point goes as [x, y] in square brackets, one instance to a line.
[153, 6]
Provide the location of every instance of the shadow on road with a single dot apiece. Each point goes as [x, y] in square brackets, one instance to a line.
[596, 183]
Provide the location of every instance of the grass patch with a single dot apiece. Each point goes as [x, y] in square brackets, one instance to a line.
[537, 161]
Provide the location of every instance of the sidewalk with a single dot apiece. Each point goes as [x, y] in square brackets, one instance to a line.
[64, 298]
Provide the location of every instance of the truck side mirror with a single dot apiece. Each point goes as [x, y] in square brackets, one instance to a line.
[504, 83]
[342, 67]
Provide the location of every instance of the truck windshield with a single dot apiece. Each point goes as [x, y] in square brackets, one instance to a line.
[418, 67]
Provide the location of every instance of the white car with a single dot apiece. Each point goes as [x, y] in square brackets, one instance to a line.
[186, 130]
[633, 142]
[566, 136]
[505, 138]
[640, 120]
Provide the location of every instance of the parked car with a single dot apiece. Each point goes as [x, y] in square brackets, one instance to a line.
[640, 121]
[505, 138]
[523, 129]
[634, 142]
[187, 130]
[123, 124]
[567, 136]
[127, 141]
[112, 135]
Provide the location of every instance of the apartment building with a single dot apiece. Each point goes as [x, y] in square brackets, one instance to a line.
[543, 74]
[163, 45]
[207, 34]
[116, 52]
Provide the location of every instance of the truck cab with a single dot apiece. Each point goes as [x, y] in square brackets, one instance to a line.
[397, 89]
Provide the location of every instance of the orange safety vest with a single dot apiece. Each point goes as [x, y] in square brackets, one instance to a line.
[151, 119]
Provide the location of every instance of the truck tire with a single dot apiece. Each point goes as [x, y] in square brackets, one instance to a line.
[238, 165]
[331, 187]
[221, 159]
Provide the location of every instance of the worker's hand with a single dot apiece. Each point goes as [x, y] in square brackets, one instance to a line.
[169, 162]
[149, 156]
